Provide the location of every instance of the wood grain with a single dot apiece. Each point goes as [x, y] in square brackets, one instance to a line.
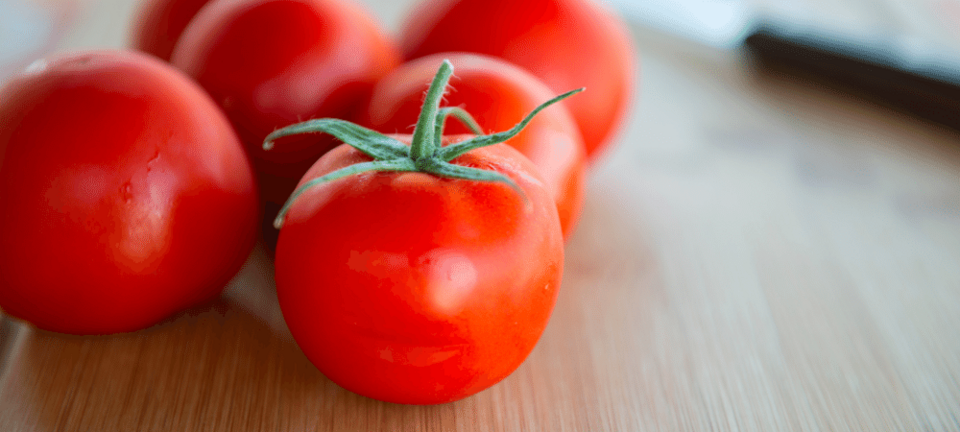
[755, 254]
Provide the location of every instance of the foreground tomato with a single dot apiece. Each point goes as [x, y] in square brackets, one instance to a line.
[422, 281]
[270, 63]
[498, 95]
[124, 194]
[160, 24]
[566, 43]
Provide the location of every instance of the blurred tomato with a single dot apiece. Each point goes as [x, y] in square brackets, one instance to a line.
[566, 43]
[160, 24]
[271, 63]
[125, 196]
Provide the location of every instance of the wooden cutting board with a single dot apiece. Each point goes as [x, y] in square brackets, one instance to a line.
[755, 254]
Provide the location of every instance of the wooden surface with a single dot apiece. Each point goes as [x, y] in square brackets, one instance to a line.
[755, 254]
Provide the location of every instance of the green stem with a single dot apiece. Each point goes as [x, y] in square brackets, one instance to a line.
[460, 114]
[371, 142]
[452, 152]
[425, 153]
[377, 165]
[422, 144]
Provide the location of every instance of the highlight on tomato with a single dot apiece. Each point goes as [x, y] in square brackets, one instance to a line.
[125, 195]
[418, 273]
[497, 95]
[270, 63]
[565, 43]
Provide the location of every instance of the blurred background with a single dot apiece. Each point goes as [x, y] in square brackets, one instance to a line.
[759, 251]
[921, 36]
[30, 28]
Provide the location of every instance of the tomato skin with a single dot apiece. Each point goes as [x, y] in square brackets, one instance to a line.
[125, 196]
[498, 95]
[271, 63]
[414, 289]
[566, 43]
[160, 24]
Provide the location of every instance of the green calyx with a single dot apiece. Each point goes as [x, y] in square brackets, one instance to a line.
[425, 152]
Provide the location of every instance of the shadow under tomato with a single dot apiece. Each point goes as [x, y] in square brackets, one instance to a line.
[211, 368]
[220, 367]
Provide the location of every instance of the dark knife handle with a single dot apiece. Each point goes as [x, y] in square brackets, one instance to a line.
[926, 84]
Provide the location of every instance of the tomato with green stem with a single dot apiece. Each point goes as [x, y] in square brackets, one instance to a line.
[498, 95]
[418, 273]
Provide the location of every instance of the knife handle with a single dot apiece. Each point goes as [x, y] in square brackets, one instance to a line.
[925, 83]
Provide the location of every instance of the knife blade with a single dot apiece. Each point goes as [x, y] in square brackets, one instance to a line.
[910, 74]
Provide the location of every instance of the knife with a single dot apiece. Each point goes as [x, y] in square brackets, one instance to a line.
[912, 75]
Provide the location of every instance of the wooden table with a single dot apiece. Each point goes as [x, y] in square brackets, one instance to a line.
[757, 253]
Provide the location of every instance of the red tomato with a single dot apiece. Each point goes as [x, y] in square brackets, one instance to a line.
[270, 63]
[498, 95]
[428, 279]
[161, 22]
[566, 43]
[411, 288]
[125, 196]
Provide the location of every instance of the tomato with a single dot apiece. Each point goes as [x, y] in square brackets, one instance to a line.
[161, 22]
[125, 196]
[270, 63]
[566, 43]
[418, 283]
[409, 288]
[498, 95]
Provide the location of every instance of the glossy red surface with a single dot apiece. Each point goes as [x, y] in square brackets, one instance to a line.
[161, 22]
[124, 194]
[272, 63]
[410, 288]
[498, 95]
[566, 43]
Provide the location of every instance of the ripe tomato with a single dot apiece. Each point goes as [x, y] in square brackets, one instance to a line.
[270, 63]
[566, 43]
[125, 196]
[498, 95]
[428, 280]
[410, 288]
[161, 22]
